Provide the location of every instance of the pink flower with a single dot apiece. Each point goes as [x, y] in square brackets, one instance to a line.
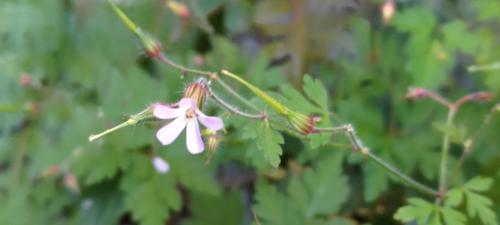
[185, 115]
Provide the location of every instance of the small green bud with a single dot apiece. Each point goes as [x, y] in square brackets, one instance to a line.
[302, 123]
[151, 46]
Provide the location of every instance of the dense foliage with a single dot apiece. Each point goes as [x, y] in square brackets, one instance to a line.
[69, 69]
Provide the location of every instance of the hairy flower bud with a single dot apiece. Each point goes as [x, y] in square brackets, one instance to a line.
[151, 46]
[213, 141]
[301, 122]
[178, 8]
[197, 91]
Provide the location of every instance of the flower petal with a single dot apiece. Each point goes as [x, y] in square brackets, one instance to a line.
[160, 165]
[193, 137]
[211, 122]
[171, 131]
[164, 112]
[187, 103]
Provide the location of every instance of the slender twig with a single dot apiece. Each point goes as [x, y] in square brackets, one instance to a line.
[164, 59]
[358, 146]
[234, 109]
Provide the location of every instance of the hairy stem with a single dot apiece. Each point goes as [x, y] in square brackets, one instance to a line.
[234, 109]
[359, 147]
[164, 59]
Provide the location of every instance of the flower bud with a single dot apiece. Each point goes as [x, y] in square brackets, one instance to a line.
[388, 10]
[416, 93]
[51, 171]
[71, 183]
[178, 8]
[301, 122]
[197, 91]
[151, 46]
[212, 141]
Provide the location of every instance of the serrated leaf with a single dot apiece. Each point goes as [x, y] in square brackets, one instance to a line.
[150, 202]
[315, 91]
[452, 217]
[454, 197]
[95, 166]
[480, 205]
[418, 210]
[324, 182]
[270, 141]
[479, 184]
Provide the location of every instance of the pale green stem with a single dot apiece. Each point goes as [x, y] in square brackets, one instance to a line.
[129, 122]
[134, 119]
[443, 166]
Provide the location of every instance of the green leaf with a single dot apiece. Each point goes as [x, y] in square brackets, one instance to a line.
[318, 94]
[315, 91]
[95, 166]
[454, 197]
[273, 208]
[453, 217]
[479, 184]
[477, 204]
[457, 37]
[418, 210]
[148, 195]
[480, 205]
[326, 181]
[270, 141]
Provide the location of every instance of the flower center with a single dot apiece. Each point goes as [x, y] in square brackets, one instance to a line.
[189, 114]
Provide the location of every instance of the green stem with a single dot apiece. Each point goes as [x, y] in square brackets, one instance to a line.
[359, 147]
[134, 119]
[403, 177]
[236, 95]
[443, 166]
[166, 60]
[233, 109]
[280, 108]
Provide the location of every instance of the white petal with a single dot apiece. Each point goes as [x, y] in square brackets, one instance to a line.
[211, 122]
[171, 131]
[165, 112]
[160, 165]
[193, 137]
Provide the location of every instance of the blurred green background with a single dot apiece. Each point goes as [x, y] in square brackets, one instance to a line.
[70, 68]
